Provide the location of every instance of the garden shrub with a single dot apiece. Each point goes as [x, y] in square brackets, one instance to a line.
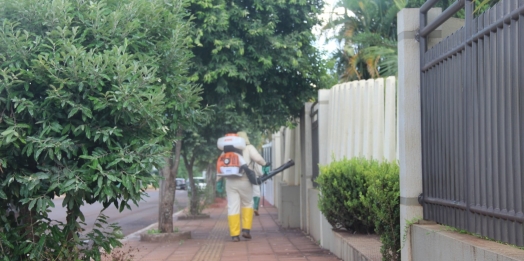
[383, 199]
[342, 183]
[363, 196]
[87, 94]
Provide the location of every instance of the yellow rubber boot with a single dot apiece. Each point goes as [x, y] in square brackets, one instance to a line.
[234, 224]
[247, 218]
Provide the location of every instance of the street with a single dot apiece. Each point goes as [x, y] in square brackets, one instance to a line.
[129, 220]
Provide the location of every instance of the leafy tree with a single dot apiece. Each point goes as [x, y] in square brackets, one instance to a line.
[257, 65]
[368, 33]
[90, 95]
[255, 58]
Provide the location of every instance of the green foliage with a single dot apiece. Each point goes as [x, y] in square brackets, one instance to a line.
[204, 197]
[361, 195]
[153, 231]
[368, 33]
[88, 91]
[383, 198]
[343, 184]
[255, 59]
[257, 65]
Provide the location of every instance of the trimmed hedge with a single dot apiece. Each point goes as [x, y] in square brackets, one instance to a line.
[363, 196]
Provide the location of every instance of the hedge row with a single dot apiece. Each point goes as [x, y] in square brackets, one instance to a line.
[363, 196]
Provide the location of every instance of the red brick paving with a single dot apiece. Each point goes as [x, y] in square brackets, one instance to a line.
[211, 241]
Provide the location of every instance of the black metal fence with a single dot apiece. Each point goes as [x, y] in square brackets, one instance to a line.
[472, 94]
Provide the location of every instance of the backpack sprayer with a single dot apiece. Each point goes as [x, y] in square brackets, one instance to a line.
[231, 163]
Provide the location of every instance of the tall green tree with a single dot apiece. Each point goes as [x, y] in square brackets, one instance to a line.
[255, 58]
[256, 63]
[367, 32]
[91, 94]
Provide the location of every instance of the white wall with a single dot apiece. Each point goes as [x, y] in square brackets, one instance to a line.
[356, 119]
[361, 120]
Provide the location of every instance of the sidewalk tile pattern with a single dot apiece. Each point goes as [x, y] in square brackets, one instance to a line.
[211, 242]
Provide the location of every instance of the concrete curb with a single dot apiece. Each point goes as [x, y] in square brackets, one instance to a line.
[136, 235]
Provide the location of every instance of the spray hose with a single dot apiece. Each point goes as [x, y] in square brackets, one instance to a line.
[274, 172]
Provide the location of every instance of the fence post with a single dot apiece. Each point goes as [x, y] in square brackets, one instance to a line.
[276, 161]
[306, 150]
[324, 155]
[410, 150]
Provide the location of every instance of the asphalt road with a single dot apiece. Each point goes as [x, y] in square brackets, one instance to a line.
[141, 216]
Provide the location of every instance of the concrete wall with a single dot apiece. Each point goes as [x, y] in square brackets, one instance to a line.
[313, 226]
[356, 119]
[432, 242]
[290, 206]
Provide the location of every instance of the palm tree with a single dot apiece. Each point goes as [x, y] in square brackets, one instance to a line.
[367, 32]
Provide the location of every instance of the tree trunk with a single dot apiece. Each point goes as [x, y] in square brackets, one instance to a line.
[168, 187]
[211, 180]
[26, 217]
[194, 201]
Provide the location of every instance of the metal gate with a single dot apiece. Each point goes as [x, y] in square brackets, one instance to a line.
[472, 102]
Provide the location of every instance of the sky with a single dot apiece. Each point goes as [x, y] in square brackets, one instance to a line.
[320, 42]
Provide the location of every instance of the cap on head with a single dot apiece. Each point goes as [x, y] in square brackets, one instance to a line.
[243, 135]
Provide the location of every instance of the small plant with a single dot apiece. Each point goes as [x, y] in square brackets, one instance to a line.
[410, 222]
[204, 198]
[175, 229]
[153, 231]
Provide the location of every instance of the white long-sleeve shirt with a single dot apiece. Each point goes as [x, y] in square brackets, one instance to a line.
[250, 153]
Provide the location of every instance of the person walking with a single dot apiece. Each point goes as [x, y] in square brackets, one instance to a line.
[255, 162]
[239, 190]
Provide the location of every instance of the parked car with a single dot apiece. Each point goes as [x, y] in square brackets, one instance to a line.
[181, 183]
[200, 182]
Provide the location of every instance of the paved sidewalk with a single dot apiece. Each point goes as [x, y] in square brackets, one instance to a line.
[211, 242]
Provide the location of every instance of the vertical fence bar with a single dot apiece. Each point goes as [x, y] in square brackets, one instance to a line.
[422, 50]
[441, 87]
[351, 131]
[519, 85]
[508, 137]
[482, 120]
[500, 122]
[390, 118]
[448, 116]
[467, 109]
[495, 105]
[428, 133]
[347, 116]
[478, 128]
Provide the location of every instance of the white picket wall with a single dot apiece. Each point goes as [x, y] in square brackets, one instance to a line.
[362, 120]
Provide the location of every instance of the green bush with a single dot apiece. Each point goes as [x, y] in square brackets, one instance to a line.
[383, 198]
[342, 184]
[363, 196]
[87, 90]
